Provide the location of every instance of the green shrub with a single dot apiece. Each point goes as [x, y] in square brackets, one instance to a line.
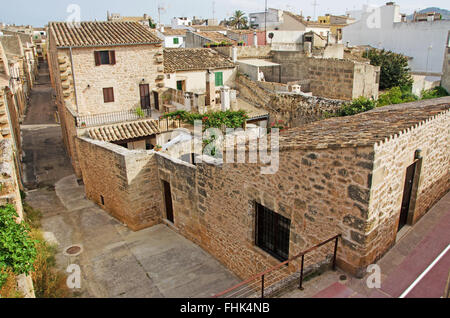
[434, 93]
[229, 119]
[396, 95]
[357, 106]
[17, 248]
[394, 68]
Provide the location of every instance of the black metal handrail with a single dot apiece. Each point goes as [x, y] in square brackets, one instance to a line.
[262, 275]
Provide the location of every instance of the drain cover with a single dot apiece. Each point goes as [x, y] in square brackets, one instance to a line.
[73, 250]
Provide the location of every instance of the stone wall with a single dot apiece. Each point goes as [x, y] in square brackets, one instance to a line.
[245, 52]
[341, 189]
[294, 109]
[392, 158]
[135, 65]
[446, 69]
[127, 181]
[323, 193]
[82, 93]
[330, 78]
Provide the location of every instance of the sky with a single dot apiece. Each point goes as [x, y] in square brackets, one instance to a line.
[40, 12]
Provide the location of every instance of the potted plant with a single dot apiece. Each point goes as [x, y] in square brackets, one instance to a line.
[83, 124]
[158, 148]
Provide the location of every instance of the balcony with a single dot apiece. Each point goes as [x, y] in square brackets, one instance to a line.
[112, 118]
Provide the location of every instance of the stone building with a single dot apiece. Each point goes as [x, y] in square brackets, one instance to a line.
[201, 39]
[328, 77]
[445, 82]
[103, 73]
[365, 177]
[195, 70]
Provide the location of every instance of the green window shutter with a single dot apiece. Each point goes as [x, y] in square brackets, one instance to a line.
[179, 85]
[175, 40]
[219, 79]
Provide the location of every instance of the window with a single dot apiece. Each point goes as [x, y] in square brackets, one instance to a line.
[272, 232]
[180, 85]
[108, 95]
[105, 57]
[219, 78]
[176, 41]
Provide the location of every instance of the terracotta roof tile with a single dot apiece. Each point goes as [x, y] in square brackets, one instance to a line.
[179, 32]
[364, 129]
[124, 131]
[216, 37]
[194, 59]
[90, 34]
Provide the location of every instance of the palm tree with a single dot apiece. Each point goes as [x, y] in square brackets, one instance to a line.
[239, 20]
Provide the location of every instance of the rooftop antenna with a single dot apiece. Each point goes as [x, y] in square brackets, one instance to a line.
[214, 9]
[160, 9]
[315, 5]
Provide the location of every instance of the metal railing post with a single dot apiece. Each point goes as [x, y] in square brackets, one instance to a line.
[262, 286]
[335, 253]
[301, 273]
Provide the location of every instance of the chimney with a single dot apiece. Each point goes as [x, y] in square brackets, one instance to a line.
[145, 16]
[234, 54]
[210, 89]
[162, 28]
[225, 98]
[255, 40]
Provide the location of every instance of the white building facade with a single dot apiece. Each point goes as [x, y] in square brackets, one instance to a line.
[383, 28]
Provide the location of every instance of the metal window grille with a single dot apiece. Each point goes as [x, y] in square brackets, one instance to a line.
[272, 232]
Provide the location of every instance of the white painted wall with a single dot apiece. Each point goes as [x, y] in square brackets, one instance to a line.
[168, 41]
[286, 40]
[425, 42]
[196, 80]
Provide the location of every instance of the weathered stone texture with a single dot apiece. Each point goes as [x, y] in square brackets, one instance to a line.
[127, 180]
[295, 110]
[330, 78]
[392, 158]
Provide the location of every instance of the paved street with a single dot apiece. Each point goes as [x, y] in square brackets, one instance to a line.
[115, 261]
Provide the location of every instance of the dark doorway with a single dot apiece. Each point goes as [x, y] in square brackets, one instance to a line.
[144, 90]
[168, 200]
[407, 192]
[156, 98]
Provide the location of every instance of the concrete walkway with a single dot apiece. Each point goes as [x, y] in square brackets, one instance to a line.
[401, 267]
[115, 262]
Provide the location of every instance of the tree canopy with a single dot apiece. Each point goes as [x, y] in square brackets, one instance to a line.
[394, 68]
[239, 20]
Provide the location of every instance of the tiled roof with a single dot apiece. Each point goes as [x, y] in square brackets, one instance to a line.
[124, 131]
[101, 33]
[300, 19]
[194, 59]
[364, 129]
[216, 37]
[209, 28]
[179, 32]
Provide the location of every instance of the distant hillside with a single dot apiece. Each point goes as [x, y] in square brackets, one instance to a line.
[445, 13]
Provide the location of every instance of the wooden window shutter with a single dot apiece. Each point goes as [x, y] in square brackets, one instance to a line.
[112, 57]
[97, 58]
[108, 95]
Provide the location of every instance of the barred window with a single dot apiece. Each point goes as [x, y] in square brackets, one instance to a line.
[272, 232]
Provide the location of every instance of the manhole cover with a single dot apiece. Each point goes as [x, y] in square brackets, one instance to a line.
[73, 250]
